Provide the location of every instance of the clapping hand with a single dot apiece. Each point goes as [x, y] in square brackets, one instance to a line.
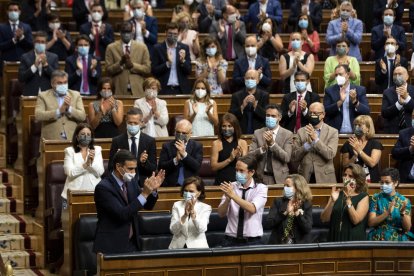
[143, 157]
[227, 189]
[335, 193]
[268, 136]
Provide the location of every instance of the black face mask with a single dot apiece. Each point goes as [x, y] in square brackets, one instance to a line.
[181, 137]
[314, 120]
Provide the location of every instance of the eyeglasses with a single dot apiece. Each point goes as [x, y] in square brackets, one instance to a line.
[315, 113]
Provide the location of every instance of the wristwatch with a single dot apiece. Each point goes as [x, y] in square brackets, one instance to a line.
[349, 206]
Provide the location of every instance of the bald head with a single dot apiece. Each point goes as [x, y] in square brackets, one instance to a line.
[252, 74]
[183, 126]
[317, 106]
[400, 72]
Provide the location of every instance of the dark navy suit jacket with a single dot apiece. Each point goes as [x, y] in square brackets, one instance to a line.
[381, 79]
[33, 81]
[75, 80]
[104, 40]
[192, 162]
[116, 215]
[151, 24]
[334, 115]
[315, 13]
[162, 72]
[242, 65]
[378, 39]
[273, 10]
[401, 152]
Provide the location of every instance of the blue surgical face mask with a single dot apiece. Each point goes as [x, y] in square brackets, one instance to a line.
[133, 129]
[271, 122]
[62, 89]
[288, 192]
[211, 51]
[13, 15]
[40, 47]
[83, 50]
[388, 20]
[303, 24]
[187, 196]
[296, 44]
[341, 51]
[250, 84]
[300, 86]
[386, 188]
[241, 178]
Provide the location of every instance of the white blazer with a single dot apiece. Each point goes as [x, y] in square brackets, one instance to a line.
[191, 233]
[159, 125]
[79, 178]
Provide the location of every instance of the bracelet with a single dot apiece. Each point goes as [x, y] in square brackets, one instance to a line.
[360, 152]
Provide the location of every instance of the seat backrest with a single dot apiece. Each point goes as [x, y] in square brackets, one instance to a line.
[83, 239]
[55, 181]
[206, 173]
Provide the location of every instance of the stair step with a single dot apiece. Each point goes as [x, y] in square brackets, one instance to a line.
[14, 224]
[9, 190]
[10, 242]
[23, 259]
[11, 205]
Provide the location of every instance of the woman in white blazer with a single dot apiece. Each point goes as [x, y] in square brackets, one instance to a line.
[190, 216]
[83, 162]
[154, 110]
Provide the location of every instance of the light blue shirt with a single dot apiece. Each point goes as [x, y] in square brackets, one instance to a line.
[308, 145]
[346, 126]
[173, 79]
[140, 198]
[354, 35]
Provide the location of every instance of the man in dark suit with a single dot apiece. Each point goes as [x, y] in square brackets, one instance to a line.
[248, 104]
[398, 103]
[81, 13]
[171, 63]
[36, 67]
[260, 10]
[403, 151]
[145, 26]
[209, 12]
[15, 36]
[252, 60]
[310, 7]
[230, 32]
[380, 33]
[141, 145]
[295, 105]
[381, 5]
[344, 101]
[182, 157]
[101, 34]
[118, 198]
[384, 67]
[83, 69]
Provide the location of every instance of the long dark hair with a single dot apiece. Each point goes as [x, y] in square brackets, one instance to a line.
[78, 129]
[310, 28]
[232, 119]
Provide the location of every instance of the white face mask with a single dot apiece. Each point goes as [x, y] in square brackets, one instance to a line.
[188, 2]
[390, 49]
[54, 26]
[340, 80]
[266, 27]
[232, 18]
[96, 16]
[127, 177]
[251, 51]
[151, 93]
[201, 93]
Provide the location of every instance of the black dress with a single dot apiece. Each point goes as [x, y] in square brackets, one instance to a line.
[286, 85]
[106, 128]
[372, 144]
[228, 173]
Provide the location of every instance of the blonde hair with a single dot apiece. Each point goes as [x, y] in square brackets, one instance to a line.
[366, 121]
[182, 15]
[303, 192]
[150, 81]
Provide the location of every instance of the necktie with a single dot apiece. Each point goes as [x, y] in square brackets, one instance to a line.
[180, 179]
[240, 224]
[14, 28]
[298, 115]
[133, 146]
[269, 166]
[85, 84]
[125, 193]
[249, 113]
[401, 119]
[230, 42]
[390, 73]
[127, 49]
[97, 52]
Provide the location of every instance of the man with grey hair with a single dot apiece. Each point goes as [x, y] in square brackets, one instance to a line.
[59, 109]
[315, 147]
[345, 27]
[182, 157]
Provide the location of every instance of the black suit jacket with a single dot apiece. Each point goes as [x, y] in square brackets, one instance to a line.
[10, 51]
[259, 114]
[33, 81]
[104, 40]
[75, 80]
[147, 143]
[379, 7]
[381, 80]
[81, 13]
[242, 65]
[378, 39]
[159, 66]
[390, 113]
[315, 13]
[115, 215]
[59, 48]
[401, 152]
[290, 122]
[192, 162]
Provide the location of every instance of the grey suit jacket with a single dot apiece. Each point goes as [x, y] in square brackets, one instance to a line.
[53, 126]
[238, 38]
[319, 159]
[281, 153]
